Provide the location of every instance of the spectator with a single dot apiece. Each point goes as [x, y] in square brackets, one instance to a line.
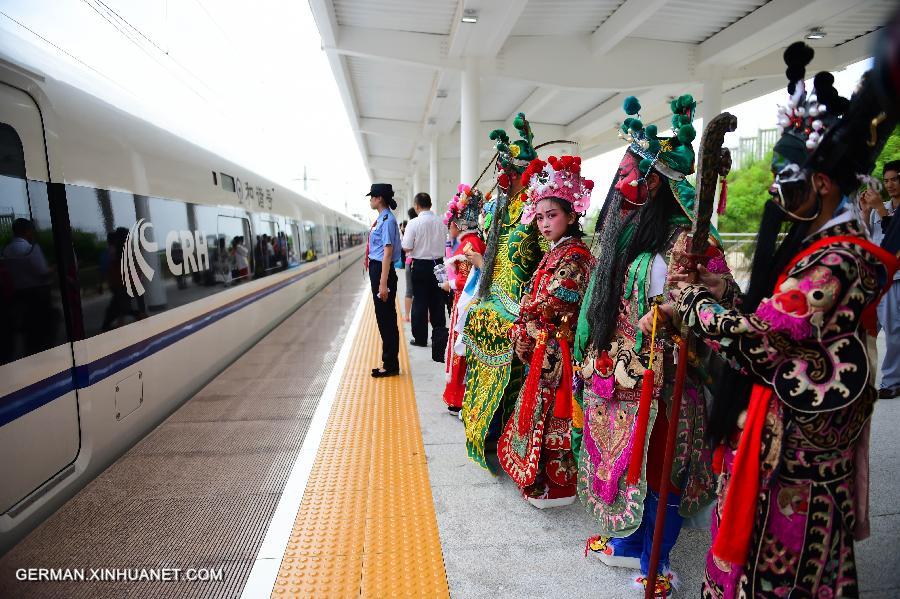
[878, 214]
[424, 242]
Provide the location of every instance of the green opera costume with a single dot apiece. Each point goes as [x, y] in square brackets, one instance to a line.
[494, 375]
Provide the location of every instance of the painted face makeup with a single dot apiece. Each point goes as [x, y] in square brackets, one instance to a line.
[627, 181]
[551, 220]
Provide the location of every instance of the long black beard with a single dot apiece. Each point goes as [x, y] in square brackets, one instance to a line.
[491, 243]
[651, 232]
[604, 299]
[731, 391]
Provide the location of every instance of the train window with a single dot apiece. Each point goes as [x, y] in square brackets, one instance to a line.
[269, 247]
[141, 255]
[314, 238]
[228, 182]
[231, 256]
[31, 318]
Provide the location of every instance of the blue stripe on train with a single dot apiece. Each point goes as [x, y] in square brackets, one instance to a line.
[18, 403]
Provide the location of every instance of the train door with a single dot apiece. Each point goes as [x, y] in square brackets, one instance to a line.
[39, 429]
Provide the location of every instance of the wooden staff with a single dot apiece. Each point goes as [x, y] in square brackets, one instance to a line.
[713, 161]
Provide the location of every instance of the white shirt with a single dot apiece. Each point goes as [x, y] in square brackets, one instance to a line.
[425, 237]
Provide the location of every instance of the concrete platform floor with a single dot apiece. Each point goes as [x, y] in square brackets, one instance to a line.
[497, 545]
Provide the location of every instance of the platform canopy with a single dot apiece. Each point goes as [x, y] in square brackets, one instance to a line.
[422, 87]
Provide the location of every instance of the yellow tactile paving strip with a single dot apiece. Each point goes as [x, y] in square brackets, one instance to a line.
[366, 525]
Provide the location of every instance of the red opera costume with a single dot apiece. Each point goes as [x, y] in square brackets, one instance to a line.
[463, 212]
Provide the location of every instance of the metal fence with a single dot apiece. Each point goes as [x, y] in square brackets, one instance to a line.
[751, 149]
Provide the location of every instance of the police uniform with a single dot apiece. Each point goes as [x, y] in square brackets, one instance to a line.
[385, 232]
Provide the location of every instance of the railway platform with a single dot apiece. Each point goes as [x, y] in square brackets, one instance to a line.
[295, 474]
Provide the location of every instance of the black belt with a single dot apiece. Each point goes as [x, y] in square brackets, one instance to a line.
[432, 260]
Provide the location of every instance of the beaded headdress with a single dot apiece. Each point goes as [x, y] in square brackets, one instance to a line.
[465, 208]
[558, 178]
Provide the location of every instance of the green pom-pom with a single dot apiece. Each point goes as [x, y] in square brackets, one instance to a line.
[651, 131]
[644, 165]
[519, 121]
[631, 105]
[686, 134]
[499, 134]
[632, 124]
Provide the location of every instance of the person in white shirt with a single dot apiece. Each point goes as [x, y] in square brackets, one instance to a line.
[424, 241]
[877, 214]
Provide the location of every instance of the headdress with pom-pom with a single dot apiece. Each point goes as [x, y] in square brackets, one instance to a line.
[558, 178]
[806, 118]
[465, 208]
[671, 156]
[513, 157]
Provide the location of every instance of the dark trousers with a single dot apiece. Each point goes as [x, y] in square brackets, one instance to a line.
[386, 315]
[428, 304]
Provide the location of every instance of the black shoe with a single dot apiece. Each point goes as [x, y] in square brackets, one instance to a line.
[379, 373]
[454, 409]
[438, 360]
[417, 344]
[889, 393]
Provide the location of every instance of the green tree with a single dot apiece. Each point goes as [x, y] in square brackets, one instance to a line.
[747, 193]
[748, 188]
[890, 152]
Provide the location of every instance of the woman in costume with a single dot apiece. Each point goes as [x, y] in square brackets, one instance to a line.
[535, 447]
[793, 419]
[628, 359]
[493, 373]
[462, 222]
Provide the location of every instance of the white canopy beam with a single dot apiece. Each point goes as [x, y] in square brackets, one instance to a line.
[773, 24]
[619, 25]
[390, 128]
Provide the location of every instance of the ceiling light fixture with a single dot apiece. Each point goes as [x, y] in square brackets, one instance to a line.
[470, 15]
[816, 33]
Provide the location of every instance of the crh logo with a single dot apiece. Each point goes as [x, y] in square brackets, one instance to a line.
[133, 258]
[186, 252]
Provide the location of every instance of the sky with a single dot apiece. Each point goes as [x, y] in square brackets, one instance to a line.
[248, 81]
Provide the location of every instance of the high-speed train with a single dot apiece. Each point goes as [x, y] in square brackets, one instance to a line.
[134, 266]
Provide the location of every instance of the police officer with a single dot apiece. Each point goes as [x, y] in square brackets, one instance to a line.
[384, 247]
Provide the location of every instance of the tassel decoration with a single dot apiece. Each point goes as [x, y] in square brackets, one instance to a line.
[723, 197]
[562, 407]
[643, 416]
[532, 382]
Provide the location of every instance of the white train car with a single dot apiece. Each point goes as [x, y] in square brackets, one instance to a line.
[135, 266]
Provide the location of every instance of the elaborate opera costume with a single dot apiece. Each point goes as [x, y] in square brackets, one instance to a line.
[621, 452]
[463, 213]
[493, 373]
[535, 447]
[794, 464]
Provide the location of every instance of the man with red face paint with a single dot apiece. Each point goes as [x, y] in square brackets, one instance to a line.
[624, 348]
